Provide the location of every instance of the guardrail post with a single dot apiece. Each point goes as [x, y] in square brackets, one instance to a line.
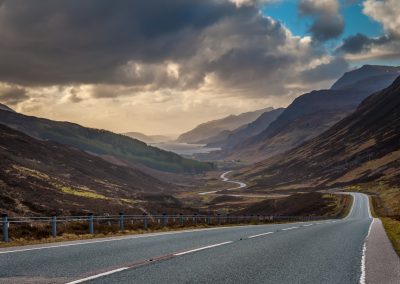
[227, 219]
[219, 219]
[54, 226]
[145, 223]
[121, 222]
[91, 223]
[208, 219]
[5, 227]
[181, 221]
[195, 219]
[164, 219]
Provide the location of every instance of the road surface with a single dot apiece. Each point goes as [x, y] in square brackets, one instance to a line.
[313, 252]
[223, 177]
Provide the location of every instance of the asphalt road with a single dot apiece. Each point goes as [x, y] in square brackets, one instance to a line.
[223, 177]
[315, 252]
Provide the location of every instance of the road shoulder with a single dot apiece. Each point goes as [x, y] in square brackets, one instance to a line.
[382, 262]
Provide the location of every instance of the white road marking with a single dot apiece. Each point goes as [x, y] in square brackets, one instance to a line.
[291, 228]
[364, 253]
[308, 225]
[125, 268]
[259, 235]
[208, 192]
[98, 275]
[202, 248]
[115, 239]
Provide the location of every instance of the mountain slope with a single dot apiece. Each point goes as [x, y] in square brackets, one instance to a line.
[362, 147]
[6, 108]
[362, 75]
[42, 176]
[204, 131]
[147, 138]
[313, 113]
[252, 129]
[101, 142]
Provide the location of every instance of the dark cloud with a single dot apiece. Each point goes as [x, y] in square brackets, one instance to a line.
[360, 43]
[127, 46]
[57, 42]
[327, 21]
[12, 95]
[325, 28]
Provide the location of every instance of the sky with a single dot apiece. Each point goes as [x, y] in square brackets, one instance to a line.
[162, 67]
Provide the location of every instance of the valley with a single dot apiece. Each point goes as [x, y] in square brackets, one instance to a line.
[333, 145]
[200, 141]
[161, 168]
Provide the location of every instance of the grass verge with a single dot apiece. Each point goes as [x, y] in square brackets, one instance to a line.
[392, 228]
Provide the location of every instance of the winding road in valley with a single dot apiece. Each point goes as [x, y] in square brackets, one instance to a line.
[330, 251]
[223, 177]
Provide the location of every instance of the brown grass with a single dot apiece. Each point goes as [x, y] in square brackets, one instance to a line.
[392, 227]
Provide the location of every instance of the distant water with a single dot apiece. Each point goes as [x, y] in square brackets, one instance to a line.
[185, 149]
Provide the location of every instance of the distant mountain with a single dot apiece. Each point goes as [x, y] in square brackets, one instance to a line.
[313, 113]
[363, 74]
[243, 133]
[362, 147]
[6, 108]
[202, 133]
[101, 142]
[38, 177]
[147, 138]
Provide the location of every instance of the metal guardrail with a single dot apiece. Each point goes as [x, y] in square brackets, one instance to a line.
[163, 220]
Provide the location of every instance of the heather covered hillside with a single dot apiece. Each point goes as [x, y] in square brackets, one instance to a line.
[39, 177]
[362, 147]
[102, 143]
[311, 114]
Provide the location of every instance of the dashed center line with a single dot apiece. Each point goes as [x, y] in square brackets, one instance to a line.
[291, 228]
[141, 262]
[259, 235]
[98, 275]
[179, 254]
[202, 248]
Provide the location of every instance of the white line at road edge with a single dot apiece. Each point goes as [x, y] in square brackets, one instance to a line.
[98, 275]
[307, 225]
[202, 248]
[91, 241]
[259, 235]
[364, 254]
